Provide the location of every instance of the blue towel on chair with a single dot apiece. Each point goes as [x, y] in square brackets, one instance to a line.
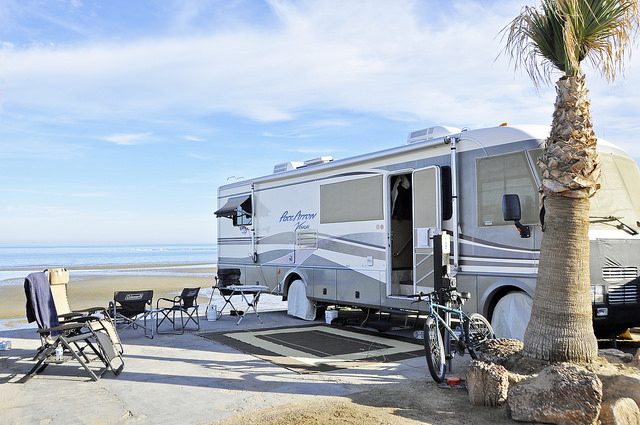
[40, 305]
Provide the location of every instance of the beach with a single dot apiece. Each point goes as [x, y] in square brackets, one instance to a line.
[95, 289]
[217, 383]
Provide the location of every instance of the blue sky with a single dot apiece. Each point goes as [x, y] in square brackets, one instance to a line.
[119, 119]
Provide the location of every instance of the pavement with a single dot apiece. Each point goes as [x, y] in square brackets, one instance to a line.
[172, 379]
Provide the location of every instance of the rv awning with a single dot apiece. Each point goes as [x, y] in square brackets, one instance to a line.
[230, 209]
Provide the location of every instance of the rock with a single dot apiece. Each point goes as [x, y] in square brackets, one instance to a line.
[621, 411]
[487, 383]
[636, 358]
[621, 386]
[562, 393]
[514, 378]
[500, 350]
[615, 356]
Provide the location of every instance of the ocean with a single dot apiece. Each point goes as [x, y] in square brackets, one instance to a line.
[18, 261]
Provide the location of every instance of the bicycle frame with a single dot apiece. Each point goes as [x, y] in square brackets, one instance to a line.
[461, 315]
[474, 330]
[460, 339]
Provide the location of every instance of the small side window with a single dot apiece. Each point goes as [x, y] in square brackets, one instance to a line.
[237, 209]
[242, 217]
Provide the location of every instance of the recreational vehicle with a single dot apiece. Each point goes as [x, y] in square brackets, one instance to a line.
[360, 231]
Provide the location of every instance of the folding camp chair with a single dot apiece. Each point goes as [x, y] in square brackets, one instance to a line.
[67, 341]
[224, 279]
[95, 317]
[131, 309]
[185, 304]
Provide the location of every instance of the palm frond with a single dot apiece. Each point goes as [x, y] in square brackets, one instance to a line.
[609, 29]
[562, 33]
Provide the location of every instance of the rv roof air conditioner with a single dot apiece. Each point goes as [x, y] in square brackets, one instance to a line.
[286, 166]
[431, 133]
[317, 161]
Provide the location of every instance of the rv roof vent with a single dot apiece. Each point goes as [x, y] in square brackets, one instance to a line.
[319, 160]
[286, 166]
[431, 133]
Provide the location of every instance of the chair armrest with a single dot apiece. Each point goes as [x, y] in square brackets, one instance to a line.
[66, 317]
[79, 319]
[91, 310]
[63, 327]
[172, 301]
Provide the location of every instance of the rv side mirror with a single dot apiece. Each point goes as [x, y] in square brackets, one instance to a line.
[511, 212]
[511, 207]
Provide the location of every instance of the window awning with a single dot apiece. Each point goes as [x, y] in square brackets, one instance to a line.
[230, 209]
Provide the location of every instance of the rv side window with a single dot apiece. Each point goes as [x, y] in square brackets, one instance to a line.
[241, 218]
[238, 209]
[502, 174]
[351, 200]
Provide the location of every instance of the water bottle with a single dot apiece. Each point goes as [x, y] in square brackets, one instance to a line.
[59, 353]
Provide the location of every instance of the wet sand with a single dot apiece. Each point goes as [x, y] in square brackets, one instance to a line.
[97, 291]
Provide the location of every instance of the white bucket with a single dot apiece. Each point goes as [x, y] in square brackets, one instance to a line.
[329, 315]
[212, 313]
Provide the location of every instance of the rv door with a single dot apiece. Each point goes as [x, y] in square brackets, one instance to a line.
[427, 222]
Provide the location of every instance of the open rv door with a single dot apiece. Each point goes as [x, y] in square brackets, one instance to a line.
[427, 223]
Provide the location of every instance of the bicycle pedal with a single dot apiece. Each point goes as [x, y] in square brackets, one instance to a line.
[448, 356]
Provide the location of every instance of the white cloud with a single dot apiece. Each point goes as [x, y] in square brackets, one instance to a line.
[374, 57]
[401, 60]
[194, 138]
[198, 156]
[127, 139]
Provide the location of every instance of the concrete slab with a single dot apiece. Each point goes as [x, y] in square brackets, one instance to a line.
[173, 379]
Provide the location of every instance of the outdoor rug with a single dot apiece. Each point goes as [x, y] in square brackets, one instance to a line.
[319, 348]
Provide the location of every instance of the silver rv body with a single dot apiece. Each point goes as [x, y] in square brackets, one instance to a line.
[360, 231]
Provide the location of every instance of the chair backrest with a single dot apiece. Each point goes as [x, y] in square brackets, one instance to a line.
[227, 277]
[133, 303]
[189, 297]
[58, 279]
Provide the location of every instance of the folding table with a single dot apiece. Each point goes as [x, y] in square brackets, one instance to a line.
[249, 293]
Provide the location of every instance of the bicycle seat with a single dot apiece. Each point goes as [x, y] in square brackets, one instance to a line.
[465, 295]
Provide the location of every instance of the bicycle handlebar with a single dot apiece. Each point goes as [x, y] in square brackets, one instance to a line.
[441, 294]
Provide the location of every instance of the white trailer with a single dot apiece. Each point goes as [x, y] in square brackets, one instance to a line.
[360, 231]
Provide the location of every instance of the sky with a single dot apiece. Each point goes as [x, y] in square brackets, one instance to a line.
[119, 119]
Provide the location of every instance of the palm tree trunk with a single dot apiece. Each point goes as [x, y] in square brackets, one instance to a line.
[561, 327]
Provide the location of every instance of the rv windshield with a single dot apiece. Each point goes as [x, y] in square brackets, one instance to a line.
[619, 194]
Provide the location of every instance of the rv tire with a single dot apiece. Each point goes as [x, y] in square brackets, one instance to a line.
[511, 315]
[298, 305]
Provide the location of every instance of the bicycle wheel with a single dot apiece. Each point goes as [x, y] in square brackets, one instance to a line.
[477, 331]
[434, 349]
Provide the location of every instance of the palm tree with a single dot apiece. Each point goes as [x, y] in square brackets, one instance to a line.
[559, 36]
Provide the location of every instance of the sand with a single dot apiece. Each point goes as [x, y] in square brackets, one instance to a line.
[86, 291]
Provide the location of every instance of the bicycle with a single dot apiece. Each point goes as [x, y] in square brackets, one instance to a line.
[474, 330]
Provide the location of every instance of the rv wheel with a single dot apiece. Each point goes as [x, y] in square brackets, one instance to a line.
[511, 315]
[298, 304]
